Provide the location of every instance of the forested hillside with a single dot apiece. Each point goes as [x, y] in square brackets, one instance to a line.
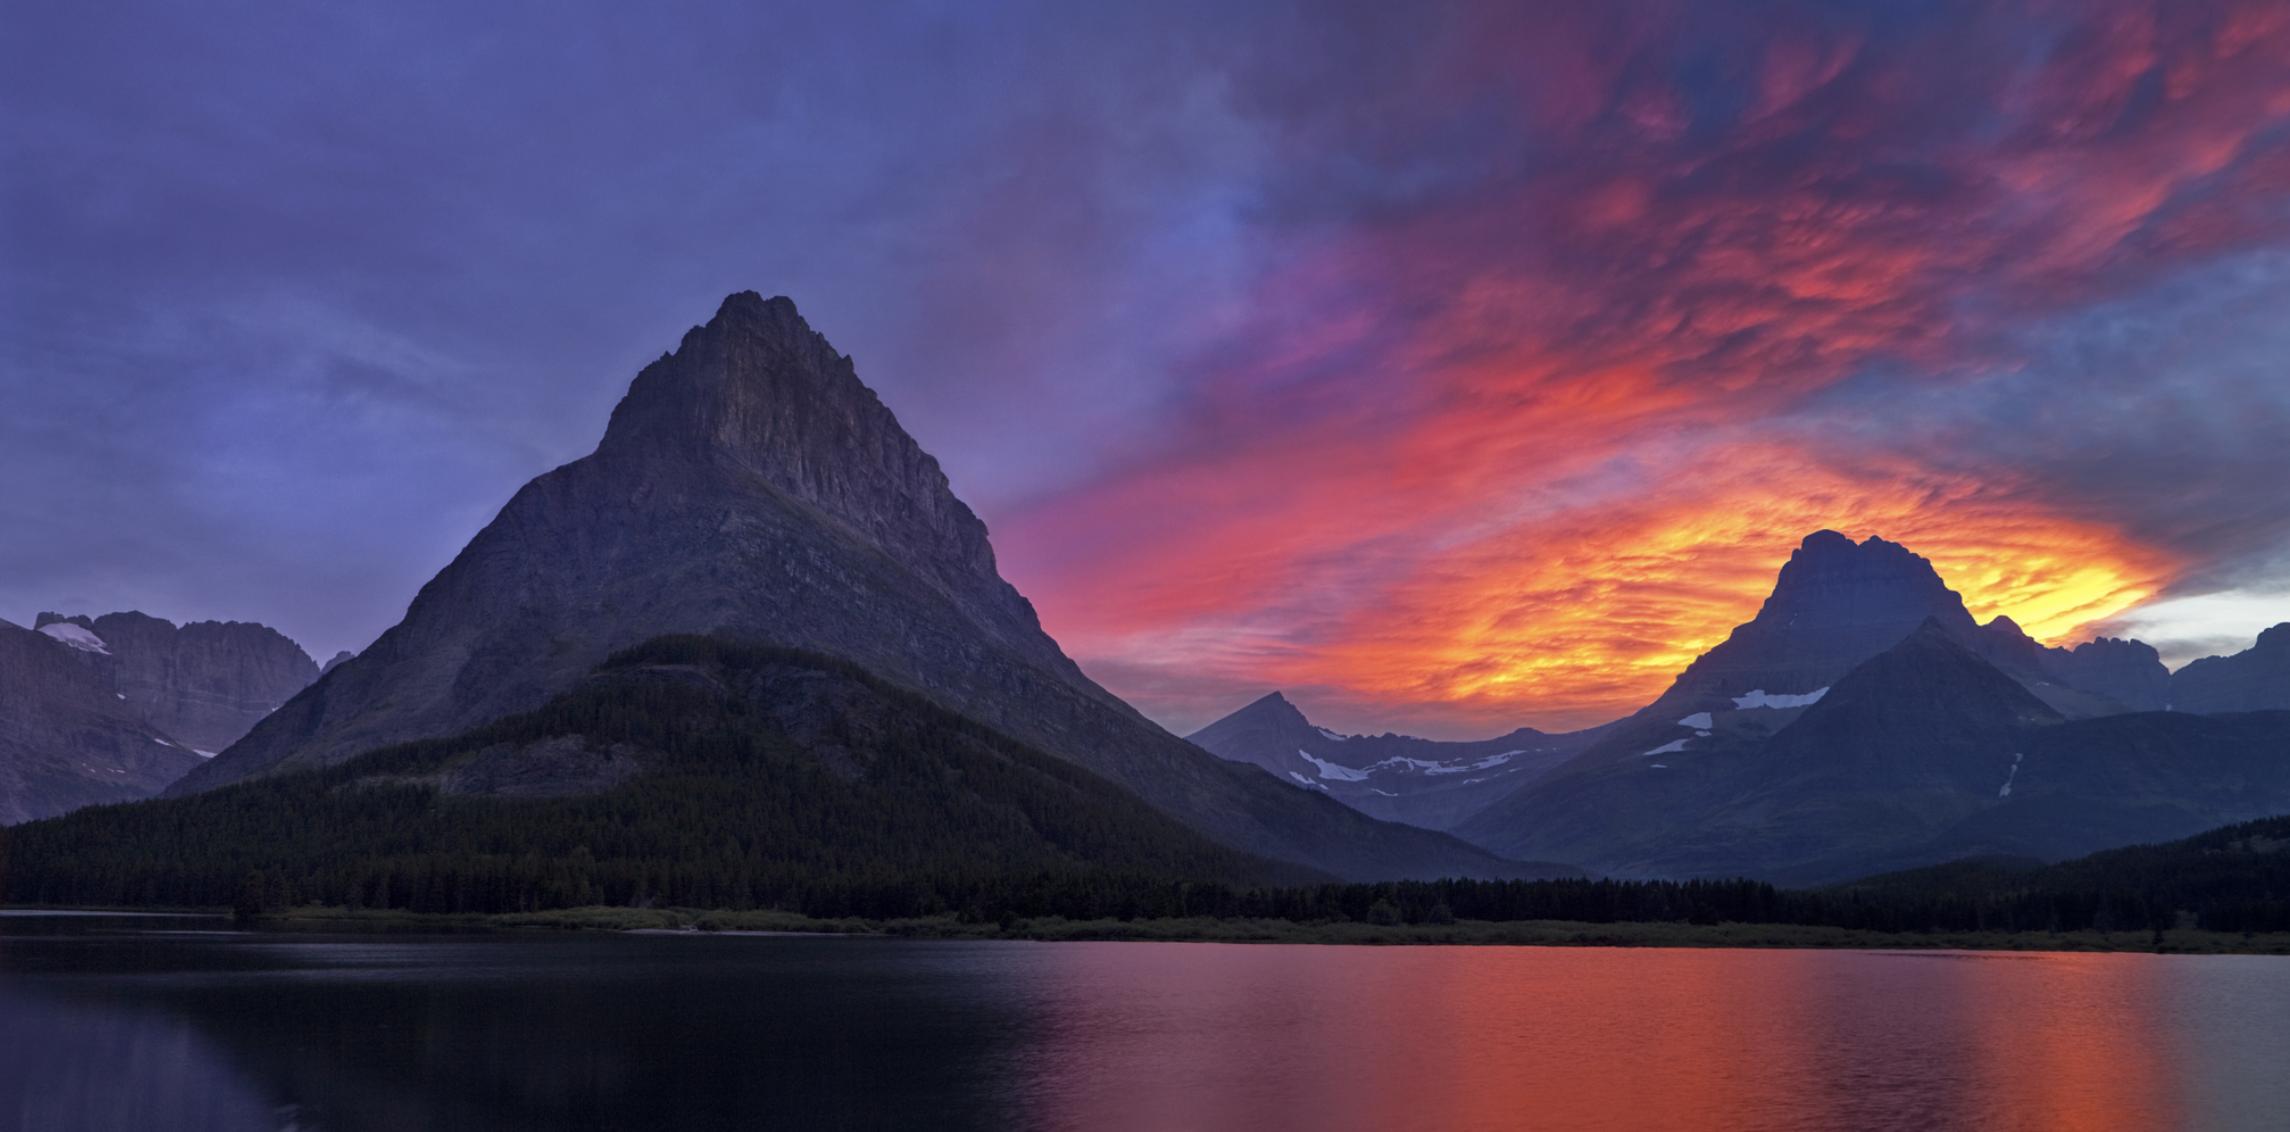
[687, 771]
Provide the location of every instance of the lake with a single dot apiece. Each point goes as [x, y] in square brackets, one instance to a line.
[163, 1023]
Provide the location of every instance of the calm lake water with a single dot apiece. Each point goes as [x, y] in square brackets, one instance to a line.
[160, 1024]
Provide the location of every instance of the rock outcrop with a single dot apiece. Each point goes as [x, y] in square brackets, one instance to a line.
[750, 486]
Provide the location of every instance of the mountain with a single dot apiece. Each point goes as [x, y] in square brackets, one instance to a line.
[1782, 755]
[66, 739]
[2255, 679]
[2129, 672]
[335, 663]
[1394, 777]
[688, 771]
[750, 486]
[207, 683]
[1835, 604]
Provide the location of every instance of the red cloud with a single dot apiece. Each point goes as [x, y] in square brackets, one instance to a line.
[1510, 451]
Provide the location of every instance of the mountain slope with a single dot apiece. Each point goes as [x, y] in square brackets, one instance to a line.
[750, 486]
[688, 771]
[66, 739]
[1401, 778]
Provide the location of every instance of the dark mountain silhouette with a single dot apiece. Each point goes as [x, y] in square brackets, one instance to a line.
[2129, 672]
[1401, 778]
[750, 486]
[1765, 758]
[2255, 679]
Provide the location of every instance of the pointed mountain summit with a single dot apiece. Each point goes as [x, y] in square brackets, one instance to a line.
[749, 486]
[1835, 604]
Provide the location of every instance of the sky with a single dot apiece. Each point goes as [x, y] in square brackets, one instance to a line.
[1451, 367]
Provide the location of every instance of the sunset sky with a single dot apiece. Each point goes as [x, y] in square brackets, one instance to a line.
[1452, 367]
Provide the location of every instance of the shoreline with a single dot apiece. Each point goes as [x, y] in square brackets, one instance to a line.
[1465, 933]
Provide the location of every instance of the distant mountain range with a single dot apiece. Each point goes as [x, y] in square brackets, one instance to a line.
[1401, 778]
[1863, 721]
[1854, 724]
[114, 708]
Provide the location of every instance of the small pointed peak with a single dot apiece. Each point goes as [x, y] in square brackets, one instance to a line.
[2002, 622]
[1272, 704]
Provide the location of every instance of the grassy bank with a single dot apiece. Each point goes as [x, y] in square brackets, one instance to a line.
[1528, 933]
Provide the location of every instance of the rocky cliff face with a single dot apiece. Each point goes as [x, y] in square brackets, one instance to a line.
[206, 684]
[66, 738]
[2255, 679]
[750, 486]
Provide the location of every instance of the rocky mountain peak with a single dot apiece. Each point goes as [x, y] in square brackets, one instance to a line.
[760, 391]
[2131, 672]
[1835, 604]
[1833, 580]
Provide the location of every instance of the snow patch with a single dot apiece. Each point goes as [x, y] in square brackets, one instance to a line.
[1700, 720]
[1305, 782]
[1759, 698]
[202, 754]
[1401, 762]
[77, 637]
[1659, 766]
[1672, 747]
[1331, 734]
[1334, 771]
[2006, 792]
[1488, 763]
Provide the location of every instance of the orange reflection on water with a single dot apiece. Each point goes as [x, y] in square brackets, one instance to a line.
[1144, 1038]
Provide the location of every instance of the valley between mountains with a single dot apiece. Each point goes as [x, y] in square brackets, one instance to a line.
[753, 652]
